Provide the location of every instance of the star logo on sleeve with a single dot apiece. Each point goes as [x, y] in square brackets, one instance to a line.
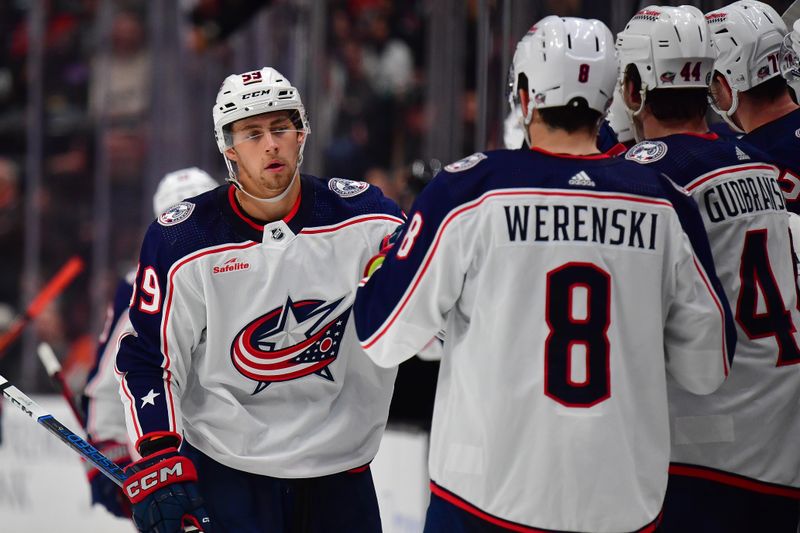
[150, 399]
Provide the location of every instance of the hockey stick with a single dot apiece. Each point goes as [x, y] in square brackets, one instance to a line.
[83, 448]
[53, 368]
[54, 287]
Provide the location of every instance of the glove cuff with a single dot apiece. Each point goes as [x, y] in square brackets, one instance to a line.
[155, 441]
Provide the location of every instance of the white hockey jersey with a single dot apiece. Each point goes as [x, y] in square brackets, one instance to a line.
[746, 433]
[568, 288]
[243, 336]
[105, 416]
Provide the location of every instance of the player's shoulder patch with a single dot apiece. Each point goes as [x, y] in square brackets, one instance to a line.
[647, 151]
[467, 163]
[176, 214]
[347, 188]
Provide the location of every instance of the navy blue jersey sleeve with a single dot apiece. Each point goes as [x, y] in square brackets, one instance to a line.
[426, 258]
[150, 371]
[692, 223]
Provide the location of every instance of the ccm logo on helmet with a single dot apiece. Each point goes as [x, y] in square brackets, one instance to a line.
[152, 479]
[255, 94]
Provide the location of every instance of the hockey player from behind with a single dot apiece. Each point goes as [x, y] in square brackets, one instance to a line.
[569, 283]
[734, 466]
[105, 418]
[243, 338]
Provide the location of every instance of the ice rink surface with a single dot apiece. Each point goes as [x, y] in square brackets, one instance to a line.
[43, 485]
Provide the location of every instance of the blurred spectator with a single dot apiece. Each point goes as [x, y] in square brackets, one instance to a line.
[11, 232]
[212, 21]
[388, 61]
[382, 179]
[120, 88]
[348, 155]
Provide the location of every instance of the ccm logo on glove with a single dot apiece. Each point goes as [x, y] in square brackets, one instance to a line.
[173, 470]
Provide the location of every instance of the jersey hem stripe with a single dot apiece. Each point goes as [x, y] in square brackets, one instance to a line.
[735, 480]
[454, 214]
[507, 524]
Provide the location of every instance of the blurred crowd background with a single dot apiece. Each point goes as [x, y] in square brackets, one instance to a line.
[100, 98]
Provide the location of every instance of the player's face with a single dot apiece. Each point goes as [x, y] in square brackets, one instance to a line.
[266, 149]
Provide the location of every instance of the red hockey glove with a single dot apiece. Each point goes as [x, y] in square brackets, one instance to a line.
[163, 488]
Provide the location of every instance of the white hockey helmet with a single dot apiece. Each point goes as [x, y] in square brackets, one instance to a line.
[670, 47]
[790, 58]
[747, 36]
[255, 93]
[179, 185]
[566, 60]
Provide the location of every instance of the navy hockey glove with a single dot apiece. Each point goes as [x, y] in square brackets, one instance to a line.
[104, 491]
[163, 488]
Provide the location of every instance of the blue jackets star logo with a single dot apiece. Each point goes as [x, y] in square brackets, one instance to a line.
[290, 342]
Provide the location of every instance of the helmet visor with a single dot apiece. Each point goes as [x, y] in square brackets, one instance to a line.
[272, 127]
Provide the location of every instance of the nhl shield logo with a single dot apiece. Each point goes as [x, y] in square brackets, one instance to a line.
[347, 188]
[647, 152]
[290, 342]
[467, 163]
[176, 214]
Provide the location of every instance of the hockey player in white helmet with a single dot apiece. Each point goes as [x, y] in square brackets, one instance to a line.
[243, 351]
[730, 468]
[551, 407]
[105, 419]
[179, 185]
[748, 90]
[614, 136]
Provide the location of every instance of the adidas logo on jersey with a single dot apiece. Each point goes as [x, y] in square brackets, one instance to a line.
[741, 154]
[581, 179]
[231, 265]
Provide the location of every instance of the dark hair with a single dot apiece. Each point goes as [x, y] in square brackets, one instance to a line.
[575, 116]
[769, 91]
[670, 104]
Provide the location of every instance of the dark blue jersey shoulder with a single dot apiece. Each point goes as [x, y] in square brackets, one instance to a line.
[606, 137]
[780, 139]
[724, 130]
[326, 202]
[685, 157]
[193, 224]
[480, 173]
